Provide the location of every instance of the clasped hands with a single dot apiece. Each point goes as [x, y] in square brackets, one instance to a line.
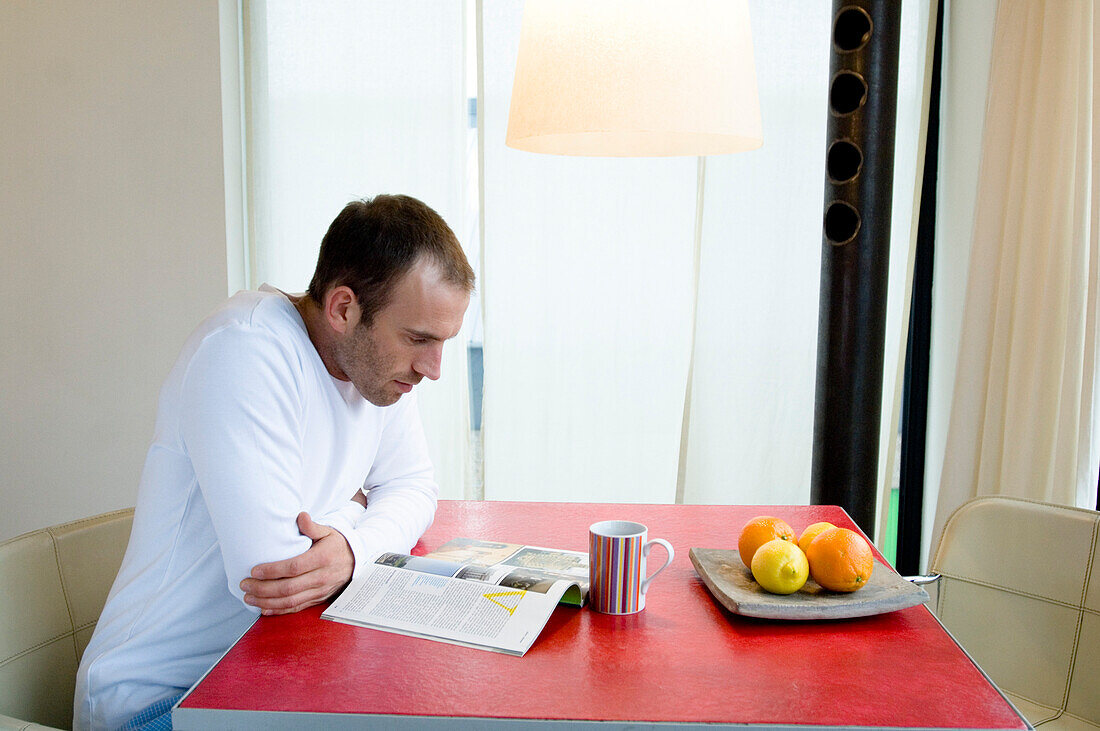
[284, 587]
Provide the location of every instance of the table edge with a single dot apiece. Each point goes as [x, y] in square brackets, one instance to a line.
[212, 719]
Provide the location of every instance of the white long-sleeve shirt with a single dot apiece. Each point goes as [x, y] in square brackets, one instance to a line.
[251, 430]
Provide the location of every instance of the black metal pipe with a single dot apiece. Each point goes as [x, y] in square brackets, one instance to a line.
[855, 255]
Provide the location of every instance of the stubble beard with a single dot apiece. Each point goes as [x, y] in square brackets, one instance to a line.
[361, 362]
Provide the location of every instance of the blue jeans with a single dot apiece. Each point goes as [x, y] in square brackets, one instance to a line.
[157, 717]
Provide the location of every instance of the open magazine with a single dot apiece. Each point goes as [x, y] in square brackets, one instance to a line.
[492, 596]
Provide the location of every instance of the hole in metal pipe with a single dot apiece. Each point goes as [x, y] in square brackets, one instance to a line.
[847, 93]
[844, 161]
[842, 222]
[852, 29]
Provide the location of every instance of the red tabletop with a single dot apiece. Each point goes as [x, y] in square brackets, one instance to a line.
[684, 659]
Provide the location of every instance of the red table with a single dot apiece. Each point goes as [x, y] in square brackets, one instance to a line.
[684, 660]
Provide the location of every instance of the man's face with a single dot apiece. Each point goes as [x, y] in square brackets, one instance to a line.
[405, 342]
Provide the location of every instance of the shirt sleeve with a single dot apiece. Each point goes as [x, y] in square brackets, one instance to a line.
[240, 421]
[400, 488]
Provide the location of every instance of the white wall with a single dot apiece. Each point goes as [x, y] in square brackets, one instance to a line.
[112, 238]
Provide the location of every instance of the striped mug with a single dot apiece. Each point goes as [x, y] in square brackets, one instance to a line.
[617, 551]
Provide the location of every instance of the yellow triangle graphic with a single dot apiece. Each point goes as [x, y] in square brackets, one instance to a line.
[512, 597]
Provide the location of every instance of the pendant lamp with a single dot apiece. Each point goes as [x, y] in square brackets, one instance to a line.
[635, 78]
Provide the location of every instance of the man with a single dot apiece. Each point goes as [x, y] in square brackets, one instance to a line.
[283, 459]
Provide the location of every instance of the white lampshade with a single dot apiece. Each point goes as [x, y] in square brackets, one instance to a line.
[635, 78]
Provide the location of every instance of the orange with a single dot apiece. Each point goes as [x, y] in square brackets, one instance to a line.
[811, 532]
[759, 531]
[840, 560]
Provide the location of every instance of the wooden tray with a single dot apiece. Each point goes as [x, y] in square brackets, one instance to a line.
[732, 585]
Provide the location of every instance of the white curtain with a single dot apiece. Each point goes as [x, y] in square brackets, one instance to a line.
[587, 273]
[346, 100]
[967, 50]
[1024, 401]
[750, 433]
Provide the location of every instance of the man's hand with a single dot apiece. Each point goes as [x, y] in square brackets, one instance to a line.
[284, 587]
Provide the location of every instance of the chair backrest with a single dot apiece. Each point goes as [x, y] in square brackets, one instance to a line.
[54, 584]
[1019, 592]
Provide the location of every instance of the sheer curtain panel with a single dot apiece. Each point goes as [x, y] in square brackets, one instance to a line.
[967, 49]
[347, 100]
[751, 427]
[588, 283]
[1024, 407]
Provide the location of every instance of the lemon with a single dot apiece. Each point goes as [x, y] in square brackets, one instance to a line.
[780, 567]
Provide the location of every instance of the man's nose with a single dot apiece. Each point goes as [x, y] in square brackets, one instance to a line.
[430, 363]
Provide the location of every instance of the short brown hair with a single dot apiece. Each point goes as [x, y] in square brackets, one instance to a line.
[375, 241]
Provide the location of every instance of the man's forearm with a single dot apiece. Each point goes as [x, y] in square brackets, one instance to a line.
[282, 587]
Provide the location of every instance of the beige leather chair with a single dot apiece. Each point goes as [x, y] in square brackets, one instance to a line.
[1019, 589]
[53, 583]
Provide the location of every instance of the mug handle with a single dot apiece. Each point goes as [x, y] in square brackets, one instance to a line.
[645, 552]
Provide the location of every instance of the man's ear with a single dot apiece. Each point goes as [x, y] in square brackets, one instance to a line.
[341, 309]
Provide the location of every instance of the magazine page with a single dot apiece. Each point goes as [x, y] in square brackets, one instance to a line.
[438, 606]
[510, 564]
[512, 574]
